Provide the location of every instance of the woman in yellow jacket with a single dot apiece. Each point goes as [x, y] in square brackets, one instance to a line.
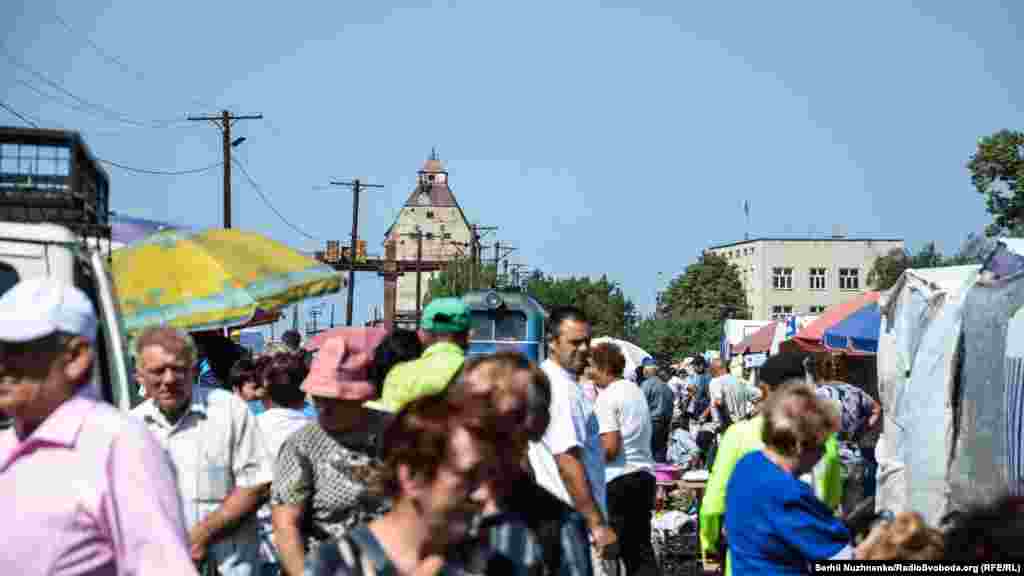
[743, 438]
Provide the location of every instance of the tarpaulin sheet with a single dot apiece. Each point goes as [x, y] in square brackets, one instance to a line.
[916, 366]
[980, 465]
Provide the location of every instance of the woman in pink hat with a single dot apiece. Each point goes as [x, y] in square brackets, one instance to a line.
[324, 470]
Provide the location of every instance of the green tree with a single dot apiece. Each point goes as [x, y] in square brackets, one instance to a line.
[709, 288]
[458, 277]
[602, 300]
[997, 172]
[887, 269]
[672, 339]
[927, 257]
[692, 309]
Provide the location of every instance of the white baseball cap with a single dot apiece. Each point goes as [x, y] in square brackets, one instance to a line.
[37, 307]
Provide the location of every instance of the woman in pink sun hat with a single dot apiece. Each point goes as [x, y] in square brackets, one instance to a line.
[324, 471]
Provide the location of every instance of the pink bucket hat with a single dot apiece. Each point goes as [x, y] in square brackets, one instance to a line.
[340, 369]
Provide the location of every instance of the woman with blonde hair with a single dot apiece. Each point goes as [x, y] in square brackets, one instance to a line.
[774, 522]
[905, 537]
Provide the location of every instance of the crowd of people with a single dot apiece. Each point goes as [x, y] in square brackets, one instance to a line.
[391, 452]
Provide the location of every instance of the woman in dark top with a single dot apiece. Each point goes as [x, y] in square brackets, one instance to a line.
[323, 472]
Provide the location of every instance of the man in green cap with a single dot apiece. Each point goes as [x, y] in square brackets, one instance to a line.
[444, 332]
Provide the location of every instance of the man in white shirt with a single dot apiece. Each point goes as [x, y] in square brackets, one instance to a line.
[727, 402]
[217, 449]
[572, 437]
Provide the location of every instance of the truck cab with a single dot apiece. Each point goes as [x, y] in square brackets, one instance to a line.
[29, 250]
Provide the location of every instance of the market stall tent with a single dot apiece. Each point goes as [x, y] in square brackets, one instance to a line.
[759, 341]
[810, 337]
[634, 354]
[857, 333]
[948, 357]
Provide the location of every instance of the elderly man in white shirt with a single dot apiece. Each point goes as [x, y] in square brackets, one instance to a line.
[216, 446]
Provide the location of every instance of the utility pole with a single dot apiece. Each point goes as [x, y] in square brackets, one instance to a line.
[475, 250]
[419, 272]
[315, 313]
[224, 122]
[419, 269]
[458, 265]
[517, 279]
[357, 185]
[498, 257]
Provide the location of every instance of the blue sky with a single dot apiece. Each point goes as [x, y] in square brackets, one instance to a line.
[612, 137]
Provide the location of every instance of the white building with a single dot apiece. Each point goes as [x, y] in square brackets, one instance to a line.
[786, 276]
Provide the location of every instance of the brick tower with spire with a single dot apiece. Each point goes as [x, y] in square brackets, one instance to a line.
[446, 233]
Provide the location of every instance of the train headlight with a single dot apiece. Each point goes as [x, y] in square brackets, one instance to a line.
[493, 300]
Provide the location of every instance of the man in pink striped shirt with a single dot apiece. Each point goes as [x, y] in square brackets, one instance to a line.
[84, 489]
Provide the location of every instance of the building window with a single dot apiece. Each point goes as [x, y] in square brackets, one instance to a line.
[430, 214]
[782, 278]
[781, 312]
[849, 279]
[816, 309]
[816, 279]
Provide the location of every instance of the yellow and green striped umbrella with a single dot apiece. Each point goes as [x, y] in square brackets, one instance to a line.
[212, 279]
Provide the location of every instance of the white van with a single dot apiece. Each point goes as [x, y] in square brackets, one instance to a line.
[29, 250]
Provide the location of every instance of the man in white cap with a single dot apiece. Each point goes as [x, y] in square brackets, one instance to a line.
[85, 488]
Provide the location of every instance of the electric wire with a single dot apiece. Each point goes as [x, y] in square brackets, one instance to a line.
[256, 187]
[72, 106]
[115, 61]
[161, 172]
[23, 118]
[109, 113]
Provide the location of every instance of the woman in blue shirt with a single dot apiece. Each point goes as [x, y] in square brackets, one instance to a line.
[774, 522]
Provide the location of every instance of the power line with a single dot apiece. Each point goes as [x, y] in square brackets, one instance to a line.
[266, 201]
[109, 113]
[23, 118]
[103, 53]
[113, 60]
[71, 106]
[161, 172]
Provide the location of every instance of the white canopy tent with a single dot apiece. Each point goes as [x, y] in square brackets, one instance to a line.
[634, 354]
[951, 383]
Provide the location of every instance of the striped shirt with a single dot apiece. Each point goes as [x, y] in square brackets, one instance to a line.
[356, 553]
[536, 534]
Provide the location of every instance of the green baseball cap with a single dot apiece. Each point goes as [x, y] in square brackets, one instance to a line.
[446, 315]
